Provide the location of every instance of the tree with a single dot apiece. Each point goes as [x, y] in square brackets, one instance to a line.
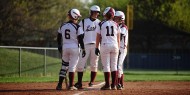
[118, 5]
[172, 13]
[32, 20]
[179, 16]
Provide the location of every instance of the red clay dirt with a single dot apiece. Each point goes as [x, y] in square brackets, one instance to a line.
[131, 88]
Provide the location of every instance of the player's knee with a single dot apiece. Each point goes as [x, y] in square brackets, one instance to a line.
[119, 68]
[114, 68]
[106, 69]
[119, 75]
[121, 72]
[79, 69]
[72, 69]
[65, 65]
[62, 73]
[94, 69]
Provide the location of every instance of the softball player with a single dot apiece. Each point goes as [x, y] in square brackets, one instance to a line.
[69, 35]
[119, 18]
[90, 26]
[109, 35]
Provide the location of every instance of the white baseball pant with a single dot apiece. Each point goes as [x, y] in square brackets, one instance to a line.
[121, 61]
[90, 52]
[71, 55]
[109, 56]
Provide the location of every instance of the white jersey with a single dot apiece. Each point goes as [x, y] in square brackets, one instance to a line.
[69, 32]
[90, 30]
[124, 38]
[108, 31]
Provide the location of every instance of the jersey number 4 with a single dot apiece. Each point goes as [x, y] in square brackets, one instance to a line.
[108, 31]
[67, 34]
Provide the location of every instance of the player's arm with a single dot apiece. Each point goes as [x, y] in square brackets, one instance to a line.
[80, 37]
[98, 35]
[118, 37]
[121, 35]
[59, 42]
[118, 40]
[98, 38]
[80, 40]
[126, 37]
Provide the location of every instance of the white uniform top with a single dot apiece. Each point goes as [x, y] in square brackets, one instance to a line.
[108, 31]
[90, 30]
[124, 39]
[69, 32]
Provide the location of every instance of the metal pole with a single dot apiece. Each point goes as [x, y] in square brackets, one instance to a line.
[44, 62]
[20, 61]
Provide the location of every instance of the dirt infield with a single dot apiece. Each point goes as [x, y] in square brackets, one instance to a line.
[131, 88]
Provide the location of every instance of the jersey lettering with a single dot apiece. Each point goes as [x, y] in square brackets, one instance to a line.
[90, 28]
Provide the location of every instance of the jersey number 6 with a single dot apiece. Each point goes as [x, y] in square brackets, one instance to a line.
[67, 34]
[108, 34]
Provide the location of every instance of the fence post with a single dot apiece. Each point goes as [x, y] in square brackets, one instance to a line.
[20, 61]
[44, 62]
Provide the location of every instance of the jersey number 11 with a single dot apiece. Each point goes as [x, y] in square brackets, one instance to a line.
[108, 32]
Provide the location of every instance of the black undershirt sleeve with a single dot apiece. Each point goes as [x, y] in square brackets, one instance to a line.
[59, 39]
[80, 40]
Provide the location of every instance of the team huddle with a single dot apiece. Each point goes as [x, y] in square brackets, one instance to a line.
[89, 39]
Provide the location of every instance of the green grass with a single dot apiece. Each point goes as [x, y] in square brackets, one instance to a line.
[53, 78]
[100, 77]
[32, 63]
[33, 70]
[146, 76]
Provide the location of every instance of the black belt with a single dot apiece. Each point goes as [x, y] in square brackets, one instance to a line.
[91, 43]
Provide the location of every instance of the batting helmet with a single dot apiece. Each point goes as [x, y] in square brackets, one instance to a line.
[95, 8]
[109, 12]
[120, 14]
[74, 13]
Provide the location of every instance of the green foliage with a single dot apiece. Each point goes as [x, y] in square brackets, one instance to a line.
[38, 20]
[23, 20]
[118, 5]
[179, 16]
[173, 13]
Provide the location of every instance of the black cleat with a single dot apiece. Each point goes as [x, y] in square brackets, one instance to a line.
[122, 86]
[72, 88]
[105, 88]
[78, 85]
[59, 87]
[90, 84]
[119, 87]
[113, 87]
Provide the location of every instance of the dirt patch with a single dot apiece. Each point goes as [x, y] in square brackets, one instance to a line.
[131, 88]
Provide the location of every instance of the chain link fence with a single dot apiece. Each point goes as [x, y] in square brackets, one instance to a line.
[39, 61]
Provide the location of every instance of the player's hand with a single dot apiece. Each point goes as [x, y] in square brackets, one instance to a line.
[59, 48]
[83, 53]
[97, 51]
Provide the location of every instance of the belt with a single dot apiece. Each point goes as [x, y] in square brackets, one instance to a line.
[91, 43]
[123, 47]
